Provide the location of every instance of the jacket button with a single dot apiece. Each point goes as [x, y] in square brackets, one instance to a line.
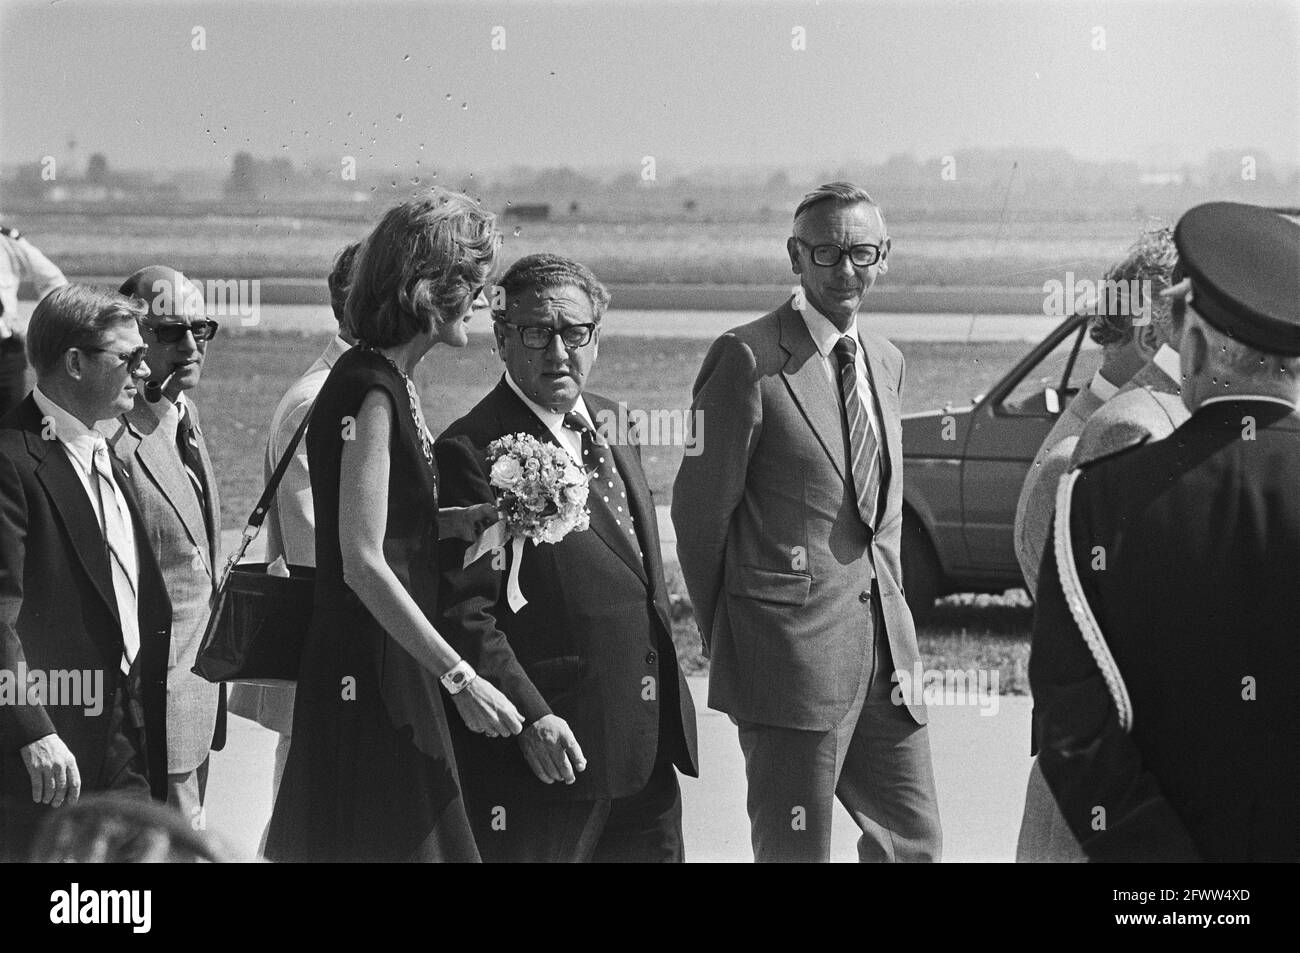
[651, 658]
[864, 597]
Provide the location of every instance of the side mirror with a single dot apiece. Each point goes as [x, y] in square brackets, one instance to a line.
[1052, 400]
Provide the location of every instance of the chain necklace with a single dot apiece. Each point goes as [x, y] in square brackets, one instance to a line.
[426, 439]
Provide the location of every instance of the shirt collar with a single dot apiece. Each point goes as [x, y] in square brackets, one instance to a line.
[1103, 388]
[168, 412]
[824, 333]
[334, 350]
[1168, 361]
[550, 418]
[80, 440]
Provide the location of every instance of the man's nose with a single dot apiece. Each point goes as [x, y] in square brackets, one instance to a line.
[142, 372]
[556, 350]
[845, 267]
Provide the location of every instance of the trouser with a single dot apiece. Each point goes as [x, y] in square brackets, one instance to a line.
[1045, 837]
[185, 793]
[645, 827]
[876, 762]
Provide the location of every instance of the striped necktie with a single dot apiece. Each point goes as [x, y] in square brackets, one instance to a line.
[121, 552]
[864, 447]
[187, 444]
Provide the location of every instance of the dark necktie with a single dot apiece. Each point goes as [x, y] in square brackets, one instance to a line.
[607, 490]
[863, 445]
[187, 443]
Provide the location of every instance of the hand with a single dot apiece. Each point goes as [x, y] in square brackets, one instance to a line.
[551, 750]
[53, 771]
[465, 522]
[486, 711]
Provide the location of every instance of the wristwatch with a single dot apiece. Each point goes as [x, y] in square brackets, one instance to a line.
[457, 677]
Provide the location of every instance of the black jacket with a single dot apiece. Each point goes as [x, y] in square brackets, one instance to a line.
[596, 626]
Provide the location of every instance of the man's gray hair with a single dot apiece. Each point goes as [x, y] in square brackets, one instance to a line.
[843, 192]
[546, 270]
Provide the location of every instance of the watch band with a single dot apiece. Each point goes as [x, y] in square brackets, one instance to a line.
[458, 677]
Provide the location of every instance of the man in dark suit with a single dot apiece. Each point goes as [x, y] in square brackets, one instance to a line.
[589, 661]
[1165, 656]
[788, 526]
[160, 442]
[81, 596]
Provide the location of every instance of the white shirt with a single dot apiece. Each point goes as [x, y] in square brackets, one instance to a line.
[824, 335]
[1167, 360]
[1103, 388]
[81, 443]
[570, 440]
[20, 259]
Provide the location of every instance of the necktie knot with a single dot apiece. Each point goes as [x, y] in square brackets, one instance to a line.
[846, 349]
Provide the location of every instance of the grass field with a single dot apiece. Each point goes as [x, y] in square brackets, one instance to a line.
[247, 372]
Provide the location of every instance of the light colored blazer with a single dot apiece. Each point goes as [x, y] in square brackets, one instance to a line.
[1038, 495]
[290, 524]
[1147, 408]
[190, 561]
[777, 561]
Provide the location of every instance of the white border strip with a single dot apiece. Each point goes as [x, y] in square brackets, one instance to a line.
[1078, 604]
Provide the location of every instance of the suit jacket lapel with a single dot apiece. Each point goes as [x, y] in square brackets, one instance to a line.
[58, 475]
[516, 417]
[160, 463]
[805, 375]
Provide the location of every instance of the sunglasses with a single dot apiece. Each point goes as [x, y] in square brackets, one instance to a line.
[174, 332]
[133, 358]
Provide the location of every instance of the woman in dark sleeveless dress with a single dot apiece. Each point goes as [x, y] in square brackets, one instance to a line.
[371, 774]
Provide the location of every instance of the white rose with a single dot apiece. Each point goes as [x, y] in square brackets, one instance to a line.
[505, 472]
[554, 530]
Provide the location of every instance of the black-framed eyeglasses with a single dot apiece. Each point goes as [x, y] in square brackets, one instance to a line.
[828, 256]
[174, 332]
[539, 339]
[133, 358]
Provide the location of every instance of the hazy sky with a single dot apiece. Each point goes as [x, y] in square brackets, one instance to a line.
[607, 83]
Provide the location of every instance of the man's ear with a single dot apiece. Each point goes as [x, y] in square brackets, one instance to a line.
[72, 363]
[1197, 347]
[500, 335]
[884, 258]
[1148, 339]
[792, 248]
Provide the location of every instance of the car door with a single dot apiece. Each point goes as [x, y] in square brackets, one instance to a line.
[1007, 429]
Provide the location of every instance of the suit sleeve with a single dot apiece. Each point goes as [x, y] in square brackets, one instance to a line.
[1035, 523]
[727, 412]
[1112, 803]
[22, 724]
[468, 596]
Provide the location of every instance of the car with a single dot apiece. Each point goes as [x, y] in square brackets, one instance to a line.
[963, 470]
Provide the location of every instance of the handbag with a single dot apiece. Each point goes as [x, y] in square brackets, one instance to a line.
[259, 621]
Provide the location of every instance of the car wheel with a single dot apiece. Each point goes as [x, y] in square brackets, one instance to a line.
[922, 574]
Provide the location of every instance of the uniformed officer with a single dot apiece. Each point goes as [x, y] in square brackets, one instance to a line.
[1166, 664]
[19, 259]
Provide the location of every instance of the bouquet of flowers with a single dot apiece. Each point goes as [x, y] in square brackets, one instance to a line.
[541, 495]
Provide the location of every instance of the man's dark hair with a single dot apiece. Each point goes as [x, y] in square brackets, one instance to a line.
[340, 279]
[546, 270]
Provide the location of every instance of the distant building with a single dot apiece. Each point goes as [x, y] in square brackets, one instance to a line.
[535, 212]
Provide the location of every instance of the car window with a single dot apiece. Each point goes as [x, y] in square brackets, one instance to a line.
[1027, 397]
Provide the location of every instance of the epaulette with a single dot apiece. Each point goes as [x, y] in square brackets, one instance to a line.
[1077, 601]
[8, 232]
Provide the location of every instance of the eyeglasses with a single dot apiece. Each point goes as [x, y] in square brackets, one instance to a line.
[828, 256]
[174, 332]
[133, 358]
[539, 339]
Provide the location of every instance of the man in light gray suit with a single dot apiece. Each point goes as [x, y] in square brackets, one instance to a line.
[788, 526]
[291, 520]
[161, 444]
[1127, 344]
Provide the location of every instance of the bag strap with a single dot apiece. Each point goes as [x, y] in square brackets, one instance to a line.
[258, 515]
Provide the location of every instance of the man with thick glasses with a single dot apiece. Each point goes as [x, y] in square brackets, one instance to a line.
[160, 442]
[589, 661]
[788, 530]
[82, 601]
